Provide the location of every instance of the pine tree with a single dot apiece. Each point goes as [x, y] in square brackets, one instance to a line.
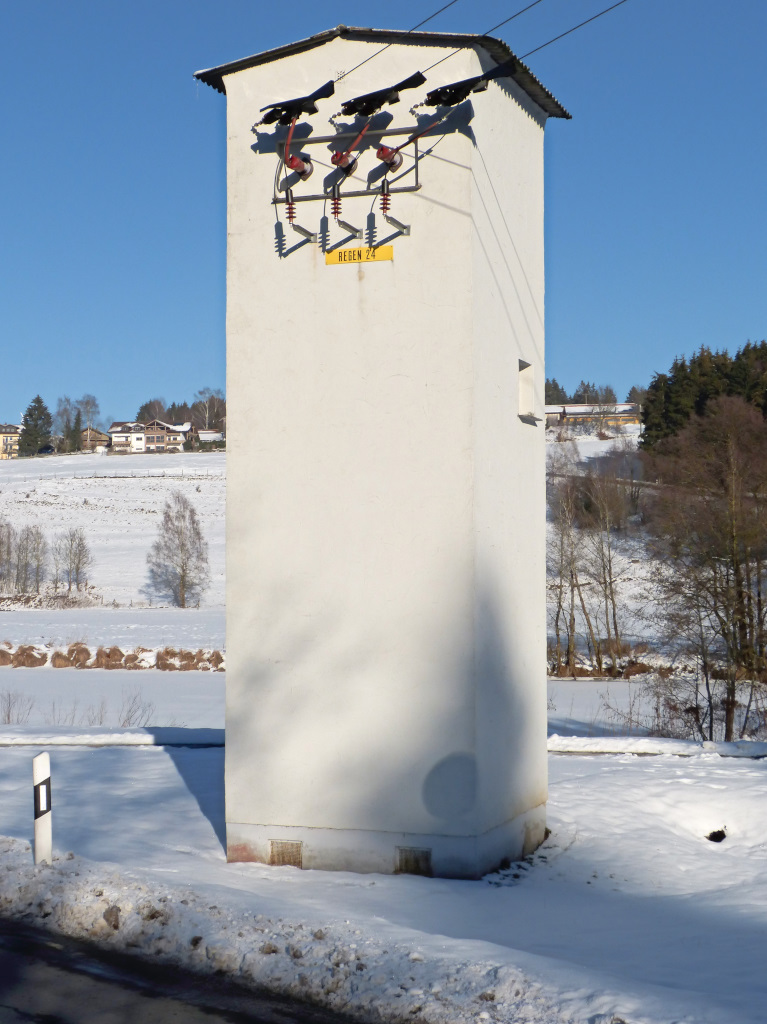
[76, 434]
[637, 395]
[586, 394]
[554, 393]
[36, 427]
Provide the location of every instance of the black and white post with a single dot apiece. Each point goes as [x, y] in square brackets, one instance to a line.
[41, 780]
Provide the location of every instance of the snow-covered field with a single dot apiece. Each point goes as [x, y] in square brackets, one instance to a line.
[189, 628]
[118, 501]
[628, 913]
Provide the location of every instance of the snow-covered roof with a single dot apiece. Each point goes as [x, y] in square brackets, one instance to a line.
[593, 410]
[126, 427]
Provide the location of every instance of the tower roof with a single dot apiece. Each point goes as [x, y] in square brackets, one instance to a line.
[496, 49]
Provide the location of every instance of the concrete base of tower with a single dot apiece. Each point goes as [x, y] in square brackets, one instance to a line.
[364, 851]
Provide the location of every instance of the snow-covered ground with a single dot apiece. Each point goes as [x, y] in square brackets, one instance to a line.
[188, 628]
[628, 913]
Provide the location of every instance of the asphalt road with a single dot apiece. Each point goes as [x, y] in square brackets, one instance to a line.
[47, 979]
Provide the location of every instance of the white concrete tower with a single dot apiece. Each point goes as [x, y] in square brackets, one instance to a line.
[386, 702]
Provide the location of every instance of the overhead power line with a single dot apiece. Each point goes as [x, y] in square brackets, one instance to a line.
[573, 29]
[500, 23]
[372, 55]
[494, 28]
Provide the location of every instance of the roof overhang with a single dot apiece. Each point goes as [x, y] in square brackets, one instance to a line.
[496, 49]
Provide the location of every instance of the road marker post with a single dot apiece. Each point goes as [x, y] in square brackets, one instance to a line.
[41, 781]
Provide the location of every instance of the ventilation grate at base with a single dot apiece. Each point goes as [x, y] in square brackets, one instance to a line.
[413, 861]
[282, 853]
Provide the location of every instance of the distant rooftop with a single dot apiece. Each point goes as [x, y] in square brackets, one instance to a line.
[496, 48]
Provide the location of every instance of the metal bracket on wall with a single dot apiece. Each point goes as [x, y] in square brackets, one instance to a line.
[290, 197]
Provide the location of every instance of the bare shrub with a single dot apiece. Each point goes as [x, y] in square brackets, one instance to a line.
[166, 659]
[135, 712]
[111, 657]
[60, 660]
[27, 656]
[96, 714]
[79, 655]
[59, 714]
[15, 708]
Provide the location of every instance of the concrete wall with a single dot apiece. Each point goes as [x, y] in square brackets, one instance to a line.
[385, 505]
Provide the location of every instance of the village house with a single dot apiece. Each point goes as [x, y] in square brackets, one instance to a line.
[614, 415]
[133, 438]
[91, 439]
[166, 437]
[210, 436]
[9, 441]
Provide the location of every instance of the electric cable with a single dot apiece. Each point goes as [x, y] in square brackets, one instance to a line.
[573, 29]
[499, 25]
[372, 55]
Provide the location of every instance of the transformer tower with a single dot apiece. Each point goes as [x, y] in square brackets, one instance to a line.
[386, 641]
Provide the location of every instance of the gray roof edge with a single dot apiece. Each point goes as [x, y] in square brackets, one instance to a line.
[496, 48]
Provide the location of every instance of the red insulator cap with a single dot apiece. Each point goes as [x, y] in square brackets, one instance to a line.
[303, 168]
[390, 157]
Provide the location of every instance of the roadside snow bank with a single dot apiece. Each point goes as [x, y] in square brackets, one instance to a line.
[335, 965]
[652, 745]
[63, 736]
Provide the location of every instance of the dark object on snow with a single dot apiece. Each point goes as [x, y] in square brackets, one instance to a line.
[112, 916]
[718, 835]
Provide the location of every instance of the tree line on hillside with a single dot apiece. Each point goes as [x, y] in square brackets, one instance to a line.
[690, 384]
[177, 562]
[63, 430]
[28, 560]
[587, 393]
[704, 522]
[207, 410]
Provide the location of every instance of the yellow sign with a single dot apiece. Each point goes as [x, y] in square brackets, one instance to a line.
[365, 255]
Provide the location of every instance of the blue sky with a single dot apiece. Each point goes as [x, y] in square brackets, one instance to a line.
[113, 184]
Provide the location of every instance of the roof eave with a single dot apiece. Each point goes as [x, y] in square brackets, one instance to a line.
[497, 49]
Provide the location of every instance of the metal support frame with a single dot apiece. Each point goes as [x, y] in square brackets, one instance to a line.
[356, 193]
[404, 228]
[357, 232]
[311, 235]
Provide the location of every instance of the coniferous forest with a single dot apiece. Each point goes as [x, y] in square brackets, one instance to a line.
[690, 384]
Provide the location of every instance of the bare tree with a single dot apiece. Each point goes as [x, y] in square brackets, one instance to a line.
[565, 558]
[89, 409]
[72, 559]
[178, 559]
[154, 409]
[7, 545]
[58, 559]
[38, 557]
[209, 409]
[22, 560]
[709, 522]
[605, 512]
[63, 421]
